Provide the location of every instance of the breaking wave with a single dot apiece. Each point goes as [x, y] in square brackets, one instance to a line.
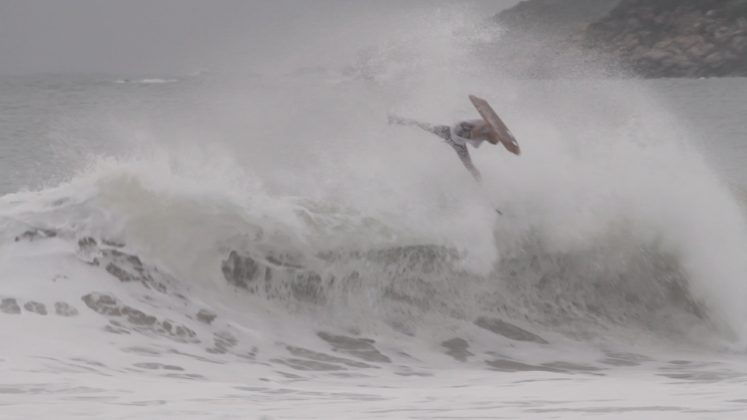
[303, 205]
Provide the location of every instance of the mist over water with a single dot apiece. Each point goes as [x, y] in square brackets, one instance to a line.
[282, 201]
[606, 166]
[604, 161]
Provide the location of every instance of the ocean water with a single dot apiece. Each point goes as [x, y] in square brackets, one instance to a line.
[265, 246]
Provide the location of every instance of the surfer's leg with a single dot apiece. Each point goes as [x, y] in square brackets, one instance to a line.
[463, 154]
[395, 119]
[442, 131]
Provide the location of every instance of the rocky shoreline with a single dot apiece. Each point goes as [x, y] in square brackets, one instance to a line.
[644, 38]
[692, 38]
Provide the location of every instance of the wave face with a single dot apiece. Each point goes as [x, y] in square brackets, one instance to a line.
[278, 232]
[298, 254]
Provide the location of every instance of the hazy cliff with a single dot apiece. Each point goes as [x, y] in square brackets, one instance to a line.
[668, 38]
[649, 38]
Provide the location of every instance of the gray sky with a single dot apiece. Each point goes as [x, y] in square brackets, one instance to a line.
[166, 36]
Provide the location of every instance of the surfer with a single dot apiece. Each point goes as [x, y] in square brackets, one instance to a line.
[472, 132]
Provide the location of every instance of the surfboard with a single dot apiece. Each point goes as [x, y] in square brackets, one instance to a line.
[499, 133]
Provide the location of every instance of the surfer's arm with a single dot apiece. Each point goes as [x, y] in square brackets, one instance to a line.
[463, 153]
[442, 131]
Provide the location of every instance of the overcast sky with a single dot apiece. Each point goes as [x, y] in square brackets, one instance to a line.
[167, 36]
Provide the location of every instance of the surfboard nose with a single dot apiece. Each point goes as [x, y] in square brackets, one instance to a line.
[512, 145]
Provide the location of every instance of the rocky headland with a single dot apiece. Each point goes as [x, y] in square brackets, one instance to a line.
[648, 38]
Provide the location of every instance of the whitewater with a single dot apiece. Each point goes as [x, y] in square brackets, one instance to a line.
[263, 245]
